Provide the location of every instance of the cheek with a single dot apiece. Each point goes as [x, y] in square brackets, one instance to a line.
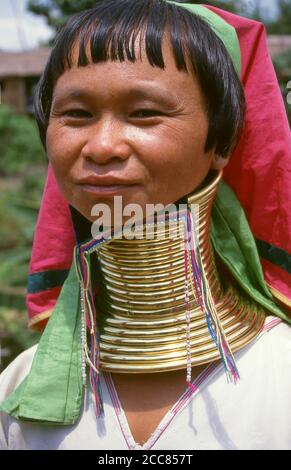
[178, 153]
[62, 148]
[54, 144]
[61, 158]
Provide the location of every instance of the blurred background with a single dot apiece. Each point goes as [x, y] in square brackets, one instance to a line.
[27, 29]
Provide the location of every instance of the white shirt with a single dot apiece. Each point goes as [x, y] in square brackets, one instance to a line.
[253, 414]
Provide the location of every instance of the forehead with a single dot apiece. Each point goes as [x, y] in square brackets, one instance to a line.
[138, 78]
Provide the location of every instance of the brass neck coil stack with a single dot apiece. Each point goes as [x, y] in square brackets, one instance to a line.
[141, 302]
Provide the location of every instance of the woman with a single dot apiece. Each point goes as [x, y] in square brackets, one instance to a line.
[142, 99]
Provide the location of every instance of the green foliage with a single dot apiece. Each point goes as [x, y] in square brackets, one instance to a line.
[22, 174]
[14, 334]
[20, 146]
[282, 24]
[19, 204]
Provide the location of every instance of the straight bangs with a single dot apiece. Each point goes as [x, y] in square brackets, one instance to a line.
[99, 35]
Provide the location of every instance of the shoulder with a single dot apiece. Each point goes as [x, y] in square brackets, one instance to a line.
[14, 374]
[279, 339]
[275, 337]
[278, 336]
[269, 355]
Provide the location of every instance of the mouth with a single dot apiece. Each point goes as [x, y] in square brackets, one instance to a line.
[108, 189]
[105, 185]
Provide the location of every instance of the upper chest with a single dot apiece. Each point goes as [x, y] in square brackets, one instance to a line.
[146, 399]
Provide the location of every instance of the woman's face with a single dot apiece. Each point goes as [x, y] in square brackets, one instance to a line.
[127, 129]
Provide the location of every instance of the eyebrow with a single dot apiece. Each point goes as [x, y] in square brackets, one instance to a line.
[165, 97]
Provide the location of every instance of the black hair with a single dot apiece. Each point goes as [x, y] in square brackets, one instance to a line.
[112, 28]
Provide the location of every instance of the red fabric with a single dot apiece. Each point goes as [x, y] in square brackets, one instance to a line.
[54, 236]
[277, 278]
[259, 172]
[44, 302]
[52, 245]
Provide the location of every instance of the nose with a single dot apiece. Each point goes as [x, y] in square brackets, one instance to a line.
[106, 141]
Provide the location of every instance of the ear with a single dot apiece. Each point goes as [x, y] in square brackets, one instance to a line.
[218, 162]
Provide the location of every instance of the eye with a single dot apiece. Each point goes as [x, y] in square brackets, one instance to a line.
[77, 113]
[146, 113]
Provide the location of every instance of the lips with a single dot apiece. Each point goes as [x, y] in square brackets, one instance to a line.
[98, 180]
[105, 185]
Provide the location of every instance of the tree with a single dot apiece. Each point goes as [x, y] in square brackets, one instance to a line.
[282, 24]
[57, 12]
[20, 146]
[22, 172]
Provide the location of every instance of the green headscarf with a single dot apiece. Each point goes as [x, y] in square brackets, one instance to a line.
[222, 29]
